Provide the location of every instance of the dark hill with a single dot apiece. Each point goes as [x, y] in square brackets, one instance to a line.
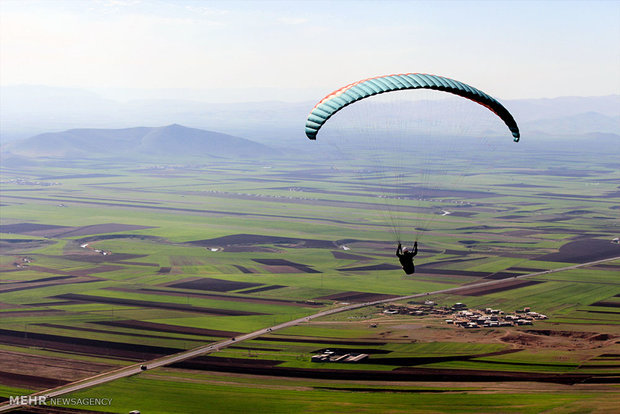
[170, 142]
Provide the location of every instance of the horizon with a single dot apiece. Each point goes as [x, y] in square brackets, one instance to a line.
[60, 109]
[118, 95]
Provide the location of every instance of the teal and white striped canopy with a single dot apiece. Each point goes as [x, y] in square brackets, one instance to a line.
[365, 88]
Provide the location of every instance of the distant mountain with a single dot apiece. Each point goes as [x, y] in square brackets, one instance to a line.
[168, 142]
[565, 106]
[584, 123]
[29, 110]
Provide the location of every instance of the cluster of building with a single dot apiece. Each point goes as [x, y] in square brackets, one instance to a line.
[491, 318]
[103, 252]
[26, 181]
[459, 314]
[22, 262]
[333, 356]
[428, 308]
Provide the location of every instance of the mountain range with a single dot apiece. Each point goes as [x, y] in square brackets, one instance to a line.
[170, 142]
[30, 110]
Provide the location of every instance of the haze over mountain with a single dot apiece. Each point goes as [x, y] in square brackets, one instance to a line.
[31, 110]
[168, 142]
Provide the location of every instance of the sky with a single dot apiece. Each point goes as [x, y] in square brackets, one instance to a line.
[299, 50]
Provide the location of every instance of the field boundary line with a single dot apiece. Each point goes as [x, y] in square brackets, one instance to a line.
[204, 349]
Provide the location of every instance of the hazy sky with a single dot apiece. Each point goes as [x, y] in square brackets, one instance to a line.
[296, 50]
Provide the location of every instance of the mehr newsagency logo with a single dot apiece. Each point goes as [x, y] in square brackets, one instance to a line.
[44, 400]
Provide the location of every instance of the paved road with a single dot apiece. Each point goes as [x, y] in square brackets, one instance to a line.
[205, 349]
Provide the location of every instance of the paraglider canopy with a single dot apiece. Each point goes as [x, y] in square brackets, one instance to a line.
[356, 91]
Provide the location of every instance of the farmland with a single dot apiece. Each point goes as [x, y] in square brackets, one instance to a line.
[106, 264]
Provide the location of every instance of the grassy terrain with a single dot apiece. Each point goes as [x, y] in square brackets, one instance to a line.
[154, 395]
[268, 242]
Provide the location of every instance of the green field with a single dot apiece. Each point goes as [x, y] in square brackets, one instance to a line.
[104, 265]
[198, 394]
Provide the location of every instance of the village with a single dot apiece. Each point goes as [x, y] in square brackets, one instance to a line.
[460, 315]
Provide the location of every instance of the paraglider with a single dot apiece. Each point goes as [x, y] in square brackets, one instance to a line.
[365, 88]
[405, 257]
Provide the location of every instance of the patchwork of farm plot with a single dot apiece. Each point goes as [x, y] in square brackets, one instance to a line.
[197, 254]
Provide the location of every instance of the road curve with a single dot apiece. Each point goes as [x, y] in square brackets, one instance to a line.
[216, 346]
